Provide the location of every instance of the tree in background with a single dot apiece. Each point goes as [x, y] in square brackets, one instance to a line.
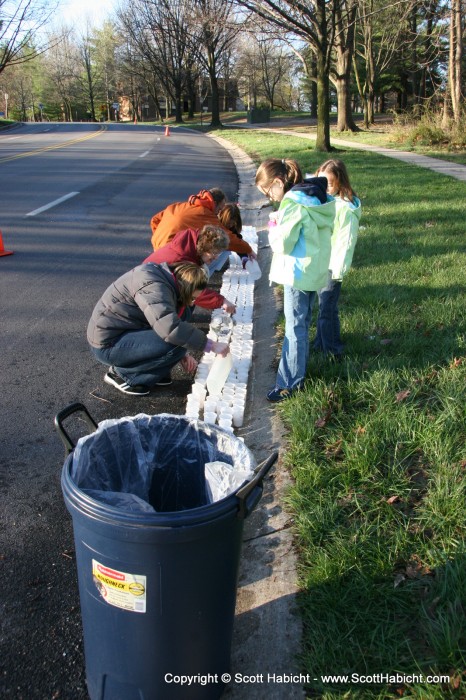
[61, 67]
[381, 30]
[161, 33]
[315, 24]
[341, 67]
[454, 96]
[20, 25]
[214, 29]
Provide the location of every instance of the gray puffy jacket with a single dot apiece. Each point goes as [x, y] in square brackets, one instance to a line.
[143, 298]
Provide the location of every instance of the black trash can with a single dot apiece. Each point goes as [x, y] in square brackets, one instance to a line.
[157, 562]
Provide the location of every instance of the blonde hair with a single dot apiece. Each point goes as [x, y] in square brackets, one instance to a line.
[287, 170]
[338, 169]
[212, 239]
[230, 217]
[191, 278]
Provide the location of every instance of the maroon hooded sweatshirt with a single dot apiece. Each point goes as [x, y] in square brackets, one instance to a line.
[182, 248]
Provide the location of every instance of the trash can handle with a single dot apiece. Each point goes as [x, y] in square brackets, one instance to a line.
[66, 413]
[245, 491]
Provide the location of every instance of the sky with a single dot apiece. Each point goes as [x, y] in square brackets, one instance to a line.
[75, 12]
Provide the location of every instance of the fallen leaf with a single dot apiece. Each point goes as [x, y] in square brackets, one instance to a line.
[393, 499]
[402, 395]
[360, 430]
[323, 420]
[456, 362]
[386, 341]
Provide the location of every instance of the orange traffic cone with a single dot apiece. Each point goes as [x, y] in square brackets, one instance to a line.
[167, 131]
[2, 248]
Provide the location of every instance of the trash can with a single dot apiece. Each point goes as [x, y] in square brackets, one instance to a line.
[157, 558]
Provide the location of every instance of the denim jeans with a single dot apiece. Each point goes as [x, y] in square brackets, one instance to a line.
[140, 357]
[328, 338]
[297, 306]
[219, 262]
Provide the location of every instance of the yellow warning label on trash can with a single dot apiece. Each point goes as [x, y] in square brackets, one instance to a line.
[127, 591]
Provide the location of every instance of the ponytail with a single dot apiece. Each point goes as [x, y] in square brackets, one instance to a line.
[287, 170]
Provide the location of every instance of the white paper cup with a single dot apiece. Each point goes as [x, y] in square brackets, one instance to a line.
[210, 417]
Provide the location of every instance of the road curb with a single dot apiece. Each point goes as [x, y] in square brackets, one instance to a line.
[267, 633]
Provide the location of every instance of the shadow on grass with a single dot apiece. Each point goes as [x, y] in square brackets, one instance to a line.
[357, 625]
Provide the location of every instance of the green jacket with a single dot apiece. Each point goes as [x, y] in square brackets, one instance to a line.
[344, 236]
[301, 239]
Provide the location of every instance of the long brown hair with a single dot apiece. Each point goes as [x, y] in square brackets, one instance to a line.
[287, 170]
[191, 278]
[230, 217]
[338, 169]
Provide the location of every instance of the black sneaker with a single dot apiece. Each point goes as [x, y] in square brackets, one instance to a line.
[122, 385]
[164, 381]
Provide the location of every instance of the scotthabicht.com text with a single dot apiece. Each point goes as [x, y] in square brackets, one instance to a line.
[303, 678]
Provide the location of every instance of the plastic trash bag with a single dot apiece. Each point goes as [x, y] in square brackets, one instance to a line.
[223, 479]
[156, 463]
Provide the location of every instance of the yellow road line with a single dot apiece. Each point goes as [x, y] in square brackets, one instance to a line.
[38, 151]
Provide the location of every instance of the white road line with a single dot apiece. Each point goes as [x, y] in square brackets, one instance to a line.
[52, 204]
[143, 155]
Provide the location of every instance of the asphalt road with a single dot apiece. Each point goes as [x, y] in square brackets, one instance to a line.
[112, 179]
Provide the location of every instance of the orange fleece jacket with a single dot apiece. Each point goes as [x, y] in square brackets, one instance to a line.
[192, 214]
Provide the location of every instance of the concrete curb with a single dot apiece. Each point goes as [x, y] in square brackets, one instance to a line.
[267, 632]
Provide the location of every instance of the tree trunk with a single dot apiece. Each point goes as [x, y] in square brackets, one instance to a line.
[215, 121]
[344, 48]
[456, 51]
[345, 121]
[323, 107]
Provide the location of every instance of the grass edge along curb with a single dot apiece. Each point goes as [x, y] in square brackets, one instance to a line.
[376, 445]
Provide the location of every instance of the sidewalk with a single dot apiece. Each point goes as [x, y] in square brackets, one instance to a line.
[444, 167]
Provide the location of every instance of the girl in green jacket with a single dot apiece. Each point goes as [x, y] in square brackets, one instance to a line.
[299, 236]
[344, 237]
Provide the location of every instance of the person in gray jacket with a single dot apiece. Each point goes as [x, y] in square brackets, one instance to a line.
[140, 326]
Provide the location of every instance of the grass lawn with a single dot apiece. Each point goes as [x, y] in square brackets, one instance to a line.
[376, 444]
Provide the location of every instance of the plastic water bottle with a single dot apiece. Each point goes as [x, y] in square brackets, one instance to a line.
[218, 374]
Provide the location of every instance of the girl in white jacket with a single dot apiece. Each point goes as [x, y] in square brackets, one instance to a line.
[344, 236]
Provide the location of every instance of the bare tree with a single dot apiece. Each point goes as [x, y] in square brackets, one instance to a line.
[216, 28]
[455, 59]
[89, 81]
[20, 25]
[315, 23]
[382, 29]
[62, 66]
[160, 31]
[275, 65]
[340, 74]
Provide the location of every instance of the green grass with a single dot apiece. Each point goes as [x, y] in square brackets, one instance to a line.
[376, 444]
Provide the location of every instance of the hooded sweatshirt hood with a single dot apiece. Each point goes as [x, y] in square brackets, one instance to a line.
[202, 199]
[311, 187]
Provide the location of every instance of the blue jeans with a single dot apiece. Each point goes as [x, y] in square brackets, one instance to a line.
[297, 306]
[219, 262]
[140, 357]
[328, 338]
